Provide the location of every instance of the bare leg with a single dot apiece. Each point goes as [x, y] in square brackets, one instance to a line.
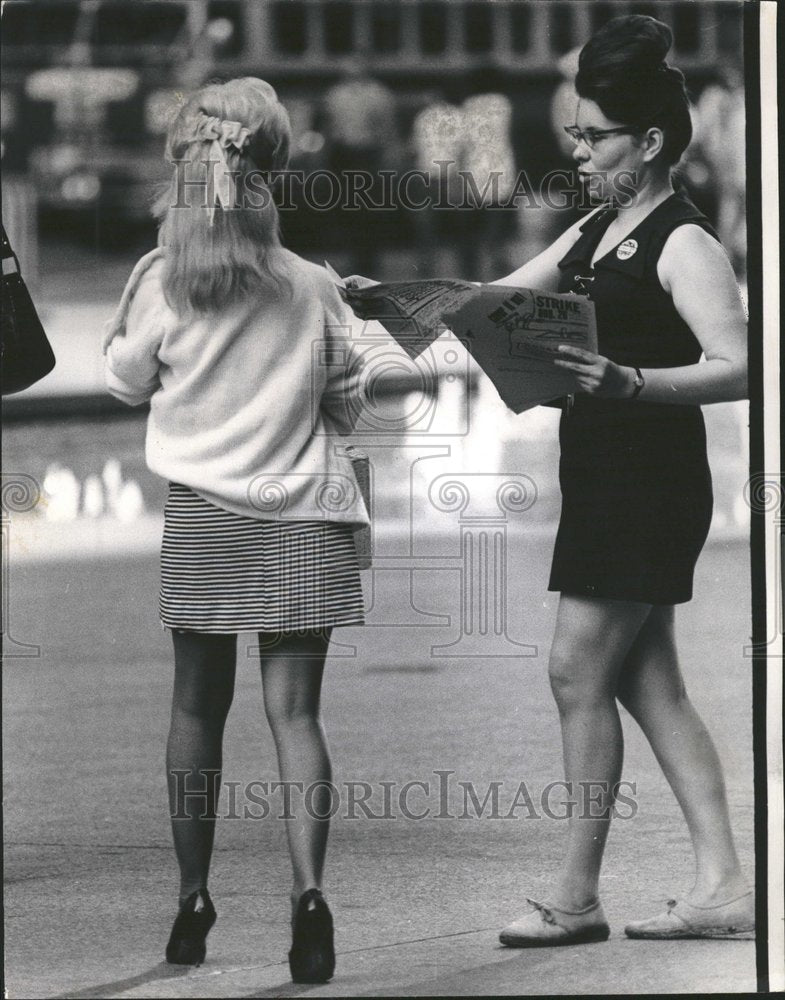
[292, 680]
[592, 639]
[651, 688]
[203, 691]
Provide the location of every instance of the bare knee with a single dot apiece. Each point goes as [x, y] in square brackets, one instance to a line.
[292, 683]
[291, 708]
[565, 679]
[592, 639]
[293, 722]
[573, 686]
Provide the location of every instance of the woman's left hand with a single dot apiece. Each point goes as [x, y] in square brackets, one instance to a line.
[595, 374]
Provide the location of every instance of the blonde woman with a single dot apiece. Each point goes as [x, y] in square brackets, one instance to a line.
[241, 348]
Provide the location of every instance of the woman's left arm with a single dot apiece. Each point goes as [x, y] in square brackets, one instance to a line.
[695, 271]
[132, 367]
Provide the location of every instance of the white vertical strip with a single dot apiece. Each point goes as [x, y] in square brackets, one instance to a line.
[772, 457]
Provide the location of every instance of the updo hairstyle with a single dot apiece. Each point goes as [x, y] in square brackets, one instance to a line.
[623, 69]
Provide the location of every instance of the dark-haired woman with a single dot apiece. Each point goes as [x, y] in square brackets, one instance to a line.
[636, 487]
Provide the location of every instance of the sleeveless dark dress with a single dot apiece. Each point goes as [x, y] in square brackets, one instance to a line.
[635, 481]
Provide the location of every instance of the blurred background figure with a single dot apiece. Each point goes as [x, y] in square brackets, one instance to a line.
[489, 170]
[362, 135]
[360, 118]
[719, 129]
[438, 139]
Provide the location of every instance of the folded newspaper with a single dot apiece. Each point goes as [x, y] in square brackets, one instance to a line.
[512, 333]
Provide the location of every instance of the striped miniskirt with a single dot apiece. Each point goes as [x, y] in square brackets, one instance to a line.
[224, 573]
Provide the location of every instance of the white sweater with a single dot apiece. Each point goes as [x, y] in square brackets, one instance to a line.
[246, 405]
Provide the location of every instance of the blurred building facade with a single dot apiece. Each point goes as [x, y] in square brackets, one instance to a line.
[88, 85]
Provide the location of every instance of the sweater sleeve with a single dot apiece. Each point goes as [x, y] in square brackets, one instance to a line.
[131, 363]
[346, 337]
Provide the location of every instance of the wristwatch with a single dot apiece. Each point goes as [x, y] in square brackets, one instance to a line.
[638, 383]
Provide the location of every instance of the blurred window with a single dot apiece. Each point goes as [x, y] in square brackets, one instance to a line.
[231, 12]
[44, 23]
[338, 27]
[81, 94]
[686, 27]
[478, 26]
[433, 27]
[561, 27]
[386, 27]
[520, 27]
[289, 27]
[150, 23]
[80, 83]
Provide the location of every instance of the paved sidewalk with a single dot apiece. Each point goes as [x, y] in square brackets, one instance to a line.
[90, 874]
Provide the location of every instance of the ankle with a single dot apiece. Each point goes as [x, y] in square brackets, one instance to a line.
[574, 899]
[718, 888]
[187, 890]
[299, 890]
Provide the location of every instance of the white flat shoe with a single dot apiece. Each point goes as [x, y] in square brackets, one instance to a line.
[548, 926]
[734, 919]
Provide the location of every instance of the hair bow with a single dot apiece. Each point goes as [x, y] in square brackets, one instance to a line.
[224, 134]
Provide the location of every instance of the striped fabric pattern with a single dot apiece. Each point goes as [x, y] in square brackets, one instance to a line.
[224, 573]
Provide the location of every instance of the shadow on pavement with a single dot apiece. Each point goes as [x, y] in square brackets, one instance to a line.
[161, 971]
[286, 989]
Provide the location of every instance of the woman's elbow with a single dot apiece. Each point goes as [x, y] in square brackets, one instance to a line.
[736, 384]
[133, 395]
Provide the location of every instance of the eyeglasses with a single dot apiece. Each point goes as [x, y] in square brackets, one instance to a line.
[592, 135]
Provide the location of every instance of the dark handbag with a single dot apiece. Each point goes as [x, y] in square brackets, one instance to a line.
[26, 353]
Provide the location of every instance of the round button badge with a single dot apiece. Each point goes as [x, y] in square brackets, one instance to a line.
[627, 249]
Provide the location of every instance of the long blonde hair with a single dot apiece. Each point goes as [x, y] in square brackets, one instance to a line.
[216, 255]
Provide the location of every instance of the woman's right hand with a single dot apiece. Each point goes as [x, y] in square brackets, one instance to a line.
[355, 281]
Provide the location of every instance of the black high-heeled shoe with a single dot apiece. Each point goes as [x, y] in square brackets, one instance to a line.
[312, 955]
[191, 926]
